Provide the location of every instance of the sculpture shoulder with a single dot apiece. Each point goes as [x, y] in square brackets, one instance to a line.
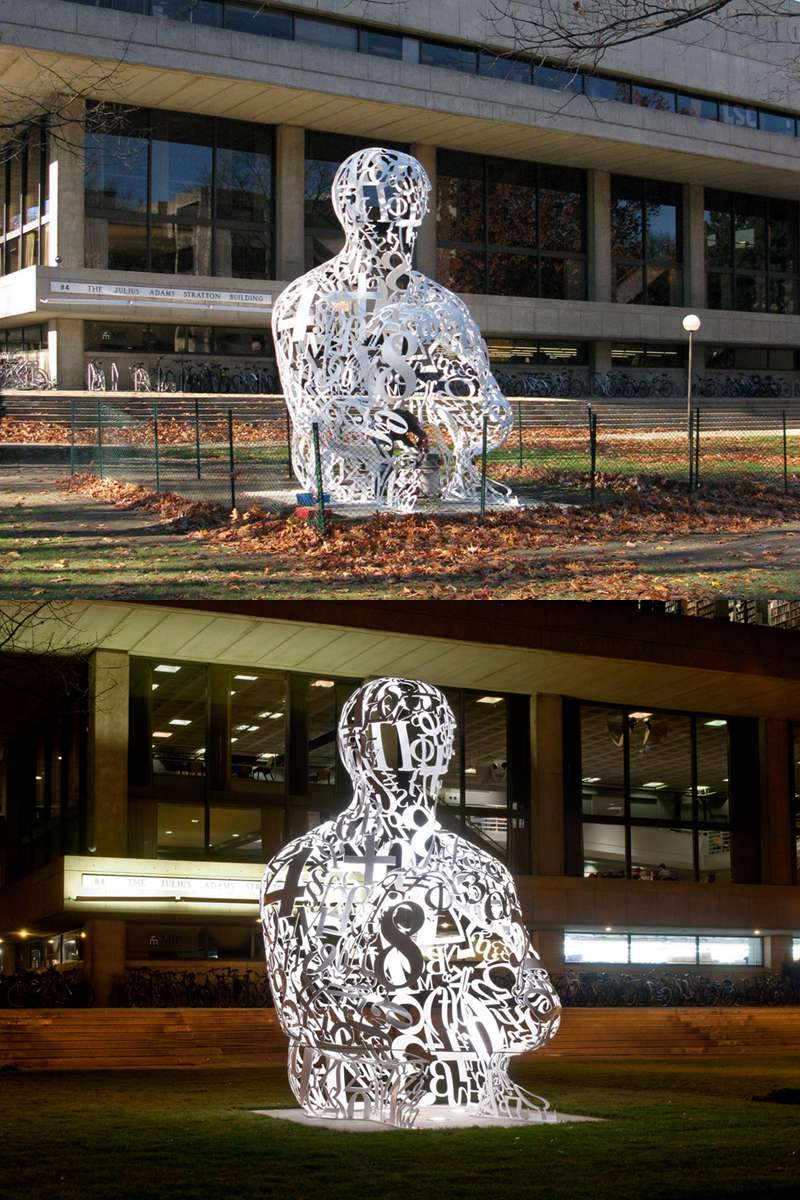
[310, 850]
[310, 287]
[422, 290]
[469, 859]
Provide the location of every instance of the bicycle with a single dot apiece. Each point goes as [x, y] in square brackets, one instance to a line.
[140, 377]
[95, 376]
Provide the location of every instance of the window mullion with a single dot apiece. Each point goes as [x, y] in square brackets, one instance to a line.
[626, 745]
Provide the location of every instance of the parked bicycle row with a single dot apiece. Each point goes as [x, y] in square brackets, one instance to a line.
[186, 375]
[52, 988]
[572, 385]
[606, 989]
[226, 987]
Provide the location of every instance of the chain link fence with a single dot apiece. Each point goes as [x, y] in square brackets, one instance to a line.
[235, 451]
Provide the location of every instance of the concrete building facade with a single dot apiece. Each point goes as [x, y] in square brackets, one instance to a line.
[580, 213]
[637, 771]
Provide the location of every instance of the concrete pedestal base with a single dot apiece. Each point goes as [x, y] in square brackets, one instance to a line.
[429, 1119]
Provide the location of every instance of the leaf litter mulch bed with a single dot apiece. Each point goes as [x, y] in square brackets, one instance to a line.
[551, 549]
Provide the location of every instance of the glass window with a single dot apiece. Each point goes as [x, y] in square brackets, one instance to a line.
[254, 18]
[662, 854]
[731, 951]
[661, 767]
[235, 833]
[228, 941]
[321, 715]
[116, 162]
[500, 67]
[249, 343]
[595, 947]
[325, 33]
[736, 114]
[456, 58]
[32, 177]
[385, 45]
[603, 761]
[179, 718]
[698, 106]
[751, 251]
[712, 770]
[603, 850]
[714, 856]
[181, 164]
[181, 831]
[258, 725]
[498, 218]
[486, 751]
[662, 948]
[554, 77]
[649, 97]
[601, 88]
[777, 123]
[198, 12]
[243, 172]
[646, 241]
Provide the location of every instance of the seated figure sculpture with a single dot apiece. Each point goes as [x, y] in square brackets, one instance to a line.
[364, 337]
[402, 973]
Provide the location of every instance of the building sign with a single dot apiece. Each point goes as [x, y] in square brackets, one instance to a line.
[167, 887]
[149, 295]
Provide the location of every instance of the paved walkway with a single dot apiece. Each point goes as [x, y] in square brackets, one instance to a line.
[62, 545]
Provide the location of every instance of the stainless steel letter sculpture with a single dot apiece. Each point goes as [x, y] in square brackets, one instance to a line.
[401, 971]
[374, 352]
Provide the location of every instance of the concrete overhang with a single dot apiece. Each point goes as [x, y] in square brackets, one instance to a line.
[568, 649]
[145, 61]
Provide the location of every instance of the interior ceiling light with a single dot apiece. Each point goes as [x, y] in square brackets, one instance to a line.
[167, 668]
[195, 820]
[716, 723]
[327, 683]
[154, 687]
[233, 693]
[470, 771]
[591, 779]
[247, 678]
[262, 716]
[276, 716]
[252, 728]
[241, 728]
[168, 831]
[234, 739]
[655, 784]
[489, 700]
[179, 721]
[641, 716]
[161, 733]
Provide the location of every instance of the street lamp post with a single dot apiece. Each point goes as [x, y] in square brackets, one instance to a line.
[691, 324]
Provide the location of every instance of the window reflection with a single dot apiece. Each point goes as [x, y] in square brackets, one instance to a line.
[181, 831]
[321, 715]
[602, 762]
[208, 185]
[646, 241]
[510, 227]
[751, 252]
[603, 850]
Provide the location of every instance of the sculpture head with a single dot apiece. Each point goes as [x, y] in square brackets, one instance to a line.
[397, 734]
[381, 196]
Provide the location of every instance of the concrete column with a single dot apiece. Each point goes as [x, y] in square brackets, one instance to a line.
[777, 846]
[599, 231]
[426, 238]
[67, 166]
[65, 352]
[602, 357]
[290, 148]
[104, 957]
[777, 951]
[694, 246]
[107, 782]
[549, 945]
[547, 814]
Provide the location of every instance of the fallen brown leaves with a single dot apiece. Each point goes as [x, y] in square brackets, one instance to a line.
[183, 515]
[138, 431]
[551, 550]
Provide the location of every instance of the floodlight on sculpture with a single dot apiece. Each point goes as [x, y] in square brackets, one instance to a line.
[375, 353]
[401, 971]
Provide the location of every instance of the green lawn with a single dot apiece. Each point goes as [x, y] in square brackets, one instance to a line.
[672, 1129]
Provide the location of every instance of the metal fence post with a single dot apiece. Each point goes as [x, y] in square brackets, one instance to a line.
[289, 466]
[197, 434]
[785, 454]
[155, 446]
[231, 459]
[484, 438]
[100, 438]
[318, 468]
[72, 435]
[697, 447]
[519, 423]
[592, 452]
